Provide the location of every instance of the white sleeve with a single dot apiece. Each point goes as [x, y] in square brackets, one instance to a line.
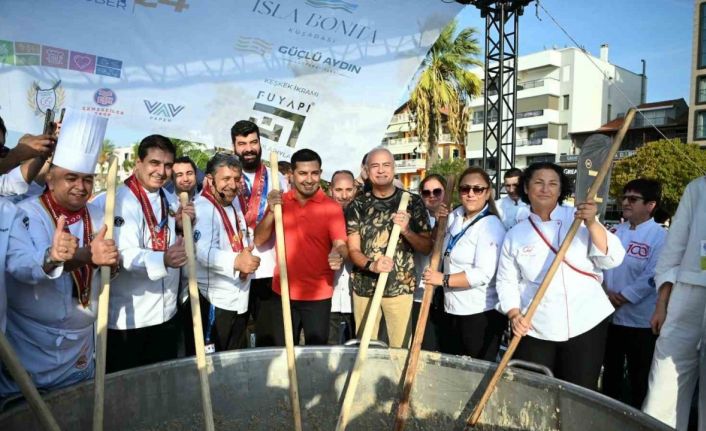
[13, 183]
[507, 282]
[134, 257]
[207, 240]
[485, 264]
[611, 259]
[677, 239]
[25, 252]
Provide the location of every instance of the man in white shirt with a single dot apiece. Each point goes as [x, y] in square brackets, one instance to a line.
[53, 293]
[341, 321]
[255, 186]
[142, 327]
[631, 290]
[20, 165]
[680, 276]
[223, 254]
[510, 207]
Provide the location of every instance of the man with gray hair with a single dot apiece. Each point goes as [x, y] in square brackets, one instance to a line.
[223, 253]
[370, 218]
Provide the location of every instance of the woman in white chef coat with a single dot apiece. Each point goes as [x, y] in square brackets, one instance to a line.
[568, 332]
[471, 248]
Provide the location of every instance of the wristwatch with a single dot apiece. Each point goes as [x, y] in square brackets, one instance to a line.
[445, 281]
[48, 260]
[367, 266]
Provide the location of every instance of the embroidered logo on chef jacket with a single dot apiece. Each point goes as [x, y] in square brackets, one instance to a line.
[119, 221]
[25, 221]
[638, 250]
[527, 250]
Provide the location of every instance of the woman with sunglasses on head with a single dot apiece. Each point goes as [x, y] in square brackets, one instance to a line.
[568, 332]
[471, 248]
[433, 191]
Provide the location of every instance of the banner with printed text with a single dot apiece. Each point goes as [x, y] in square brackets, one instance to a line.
[319, 74]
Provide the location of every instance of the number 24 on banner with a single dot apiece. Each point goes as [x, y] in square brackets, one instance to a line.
[179, 5]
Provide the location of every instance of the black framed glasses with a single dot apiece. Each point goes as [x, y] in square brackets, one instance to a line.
[436, 192]
[465, 189]
[632, 198]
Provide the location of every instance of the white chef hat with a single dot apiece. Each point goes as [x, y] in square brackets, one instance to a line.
[80, 141]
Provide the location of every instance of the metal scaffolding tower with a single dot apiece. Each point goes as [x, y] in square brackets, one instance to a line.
[500, 97]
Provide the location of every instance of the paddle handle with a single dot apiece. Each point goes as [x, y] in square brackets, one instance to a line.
[413, 357]
[284, 291]
[196, 317]
[478, 410]
[369, 324]
[103, 302]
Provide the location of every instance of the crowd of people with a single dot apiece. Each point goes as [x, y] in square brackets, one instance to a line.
[628, 301]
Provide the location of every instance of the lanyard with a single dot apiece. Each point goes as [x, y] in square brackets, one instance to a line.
[456, 238]
[211, 321]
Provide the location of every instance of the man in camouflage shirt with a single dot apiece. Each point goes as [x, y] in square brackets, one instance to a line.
[370, 218]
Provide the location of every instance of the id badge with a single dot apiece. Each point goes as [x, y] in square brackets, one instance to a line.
[210, 348]
[703, 254]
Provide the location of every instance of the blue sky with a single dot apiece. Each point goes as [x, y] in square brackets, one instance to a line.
[658, 31]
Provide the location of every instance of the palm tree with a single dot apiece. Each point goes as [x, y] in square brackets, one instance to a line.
[444, 82]
[194, 150]
[103, 159]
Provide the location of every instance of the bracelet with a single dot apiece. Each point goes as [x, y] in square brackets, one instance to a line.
[367, 265]
[445, 281]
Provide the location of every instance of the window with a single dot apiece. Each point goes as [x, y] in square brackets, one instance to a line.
[542, 158]
[566, 102]
[701, 88]
[702, 35]
[564, 131]
[700, 125]
[455, 154]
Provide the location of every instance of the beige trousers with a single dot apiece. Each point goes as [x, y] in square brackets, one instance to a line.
[397, 311]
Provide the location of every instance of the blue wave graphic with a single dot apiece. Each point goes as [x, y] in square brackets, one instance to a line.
[333, 4]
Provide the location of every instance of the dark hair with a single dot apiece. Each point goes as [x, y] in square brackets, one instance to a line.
[284, 167]
[222, 159]
[534, 167]
[155, 141]
[305, 155]
[651, 190]
[365, 159]
[342, 172]
[429, 177]
[186, 159]
[244, 128]
[480, 171]
[3, 129]
[512, 173]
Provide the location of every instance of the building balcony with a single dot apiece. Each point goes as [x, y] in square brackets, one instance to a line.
[409, 165]
[401, 118]
[527, 147]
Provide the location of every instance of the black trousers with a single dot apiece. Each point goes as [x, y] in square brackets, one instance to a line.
[341, 328]
[477, 335]
[131, 348]
[635, 347]
[312, 317]
[577, 360]
[227, 331]
[187, 327]
[263, 306]
[437, 322]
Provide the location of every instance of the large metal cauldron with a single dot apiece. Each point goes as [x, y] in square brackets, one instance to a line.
[249, 391]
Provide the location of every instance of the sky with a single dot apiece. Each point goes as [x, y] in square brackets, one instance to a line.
[658, 31]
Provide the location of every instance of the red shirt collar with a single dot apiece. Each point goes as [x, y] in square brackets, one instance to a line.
[318, 197]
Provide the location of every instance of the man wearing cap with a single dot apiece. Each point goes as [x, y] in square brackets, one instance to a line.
[53, 293]
[223, 254]
[255, 186]
[142, 327]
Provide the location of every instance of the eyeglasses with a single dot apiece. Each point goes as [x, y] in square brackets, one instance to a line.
[632, 199]
[477, 190]
[436, 192]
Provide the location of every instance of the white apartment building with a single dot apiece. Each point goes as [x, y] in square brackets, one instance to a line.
[559, 92]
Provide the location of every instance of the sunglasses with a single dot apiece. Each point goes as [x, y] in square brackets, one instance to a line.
[477, 190]
[436, 192]
[633, 199]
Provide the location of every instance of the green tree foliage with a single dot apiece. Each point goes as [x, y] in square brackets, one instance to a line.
[444, 82]
[194, 150]
[447, 168]
[669, 161]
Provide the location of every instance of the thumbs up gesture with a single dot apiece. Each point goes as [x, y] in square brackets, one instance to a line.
[175, 256]
[63, 245]
[246, 262]
[103, 251]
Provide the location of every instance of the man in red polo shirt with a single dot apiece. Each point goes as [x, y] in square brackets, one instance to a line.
[315, 242]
